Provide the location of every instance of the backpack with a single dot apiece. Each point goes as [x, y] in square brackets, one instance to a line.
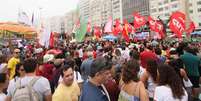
[25, 93]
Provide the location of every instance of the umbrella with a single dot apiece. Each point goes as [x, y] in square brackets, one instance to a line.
[110, 37]
[16, 27]
[196, 33]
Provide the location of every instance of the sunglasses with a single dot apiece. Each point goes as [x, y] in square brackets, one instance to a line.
[17, 52]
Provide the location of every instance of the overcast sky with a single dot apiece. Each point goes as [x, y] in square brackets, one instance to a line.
[9, 8]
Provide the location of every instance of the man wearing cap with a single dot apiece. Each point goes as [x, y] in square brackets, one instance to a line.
[12, 63]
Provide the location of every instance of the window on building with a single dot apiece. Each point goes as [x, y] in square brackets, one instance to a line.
[160, 9]
[173, 0]
[166, 1]
[153, 10]
[166, 14]
[199, 24]
[199, 2]
[174, 6]
[191, 11]
[159, 3]
[199, 9]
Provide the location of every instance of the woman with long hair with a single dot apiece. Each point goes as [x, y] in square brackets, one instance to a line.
[132, 89]
[170, 85]
[150, 78]
[19, 71]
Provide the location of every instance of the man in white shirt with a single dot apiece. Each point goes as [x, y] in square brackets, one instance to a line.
[41, 86]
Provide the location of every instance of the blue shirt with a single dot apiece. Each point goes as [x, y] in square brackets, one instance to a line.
[90, 92]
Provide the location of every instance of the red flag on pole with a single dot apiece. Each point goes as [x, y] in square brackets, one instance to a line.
[125, 33]
[51, 40]
[138, 20]
[156, 26]
[152, 23]
[117, 29]
[88, 27]
[108, 26]
[97, 32]
[160, 28]
[190, 29]
[177, 23]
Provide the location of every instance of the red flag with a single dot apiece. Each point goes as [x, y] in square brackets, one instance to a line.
[138, 20]
[88, 27]
[114, 31]
[97, 32]
[117, 22]
[190, 29]
[152, 23]
[108, 26]
[160, 29]
[51, 40]
[117, 29]
[129, 26]
[177, 23]
[156, 26]
[125, 33]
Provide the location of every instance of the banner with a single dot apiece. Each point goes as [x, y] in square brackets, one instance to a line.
[97, 32]
[125, 33]
[80, 30]
[156, 26]
[88, 27]
[177, 23]
[190, 29]
[108, 26]
[138, 20]
[118, 28]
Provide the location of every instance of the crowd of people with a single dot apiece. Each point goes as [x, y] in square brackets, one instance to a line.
[102, 71]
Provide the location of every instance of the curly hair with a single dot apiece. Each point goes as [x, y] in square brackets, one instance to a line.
[130, 71]
[168, 76]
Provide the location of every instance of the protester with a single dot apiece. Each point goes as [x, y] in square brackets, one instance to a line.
[12, 63]
[68, 89]
[150, 77]
[192, 64]
[3, 64]
[170, 85]
[93, 89]
[132, 89]
[40, 87]
[3, 82]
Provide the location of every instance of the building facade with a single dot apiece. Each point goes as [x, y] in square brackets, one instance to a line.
[70, 19]
[84, 8]
[117, 10]
[106, 10]
[131, 6]
[57, 24]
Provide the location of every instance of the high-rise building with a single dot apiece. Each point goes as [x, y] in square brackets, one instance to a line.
[70, 19]
[95, 12]
[117, 10]
[106, 10]
[163, 9]
[195, 12]
[84, 8]
[57, 24]
[130, 6]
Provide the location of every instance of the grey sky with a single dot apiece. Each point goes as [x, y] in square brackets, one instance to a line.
[9, 8]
